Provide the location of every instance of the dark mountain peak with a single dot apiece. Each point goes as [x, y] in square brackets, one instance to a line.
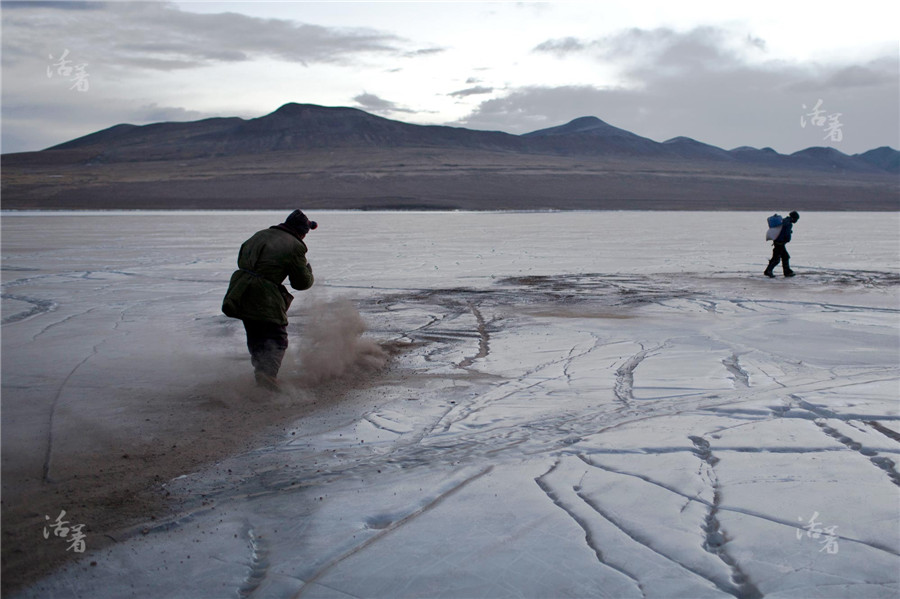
[590, 125]
[305, 126]
[827, 158]
[691, 148]
[294, 125]
[767, 151]
[820, 152]
[883, 151]
[312, 119]
[588, 135]
[291, 109]
[295, 110]
[108, 135]
[681, 139]
[885, 157]
[584, 124]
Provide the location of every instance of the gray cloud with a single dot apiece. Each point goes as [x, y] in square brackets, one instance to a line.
[758, 42]
[873, 74]
[130, 47]
[530, 108]
[159, 36]
[471, 91]
[561, 47]
[705, 84]
[61, 5]
[372, 103]
[154, 113]
[662, 48]
[425, 52]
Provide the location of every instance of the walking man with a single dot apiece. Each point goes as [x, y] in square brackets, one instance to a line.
[779, 251]
[257, 296]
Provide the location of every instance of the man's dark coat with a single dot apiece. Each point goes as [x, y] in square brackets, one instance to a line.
[256, 291]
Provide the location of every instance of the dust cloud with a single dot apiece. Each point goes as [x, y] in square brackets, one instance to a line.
[332, 343]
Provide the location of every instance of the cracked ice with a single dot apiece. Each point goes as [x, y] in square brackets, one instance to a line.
[583, 405]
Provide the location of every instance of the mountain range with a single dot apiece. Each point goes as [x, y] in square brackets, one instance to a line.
[335, 157]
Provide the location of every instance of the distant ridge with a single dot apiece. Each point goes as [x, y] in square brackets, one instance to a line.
[308, 126]
[586, 125]
[884, 158]
[342, 157]
[591, 136]
[292, 127]
[690, 148]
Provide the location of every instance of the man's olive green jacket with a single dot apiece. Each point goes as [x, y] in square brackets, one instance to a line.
[256, 291]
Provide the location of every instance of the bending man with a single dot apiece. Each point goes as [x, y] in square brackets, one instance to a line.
[257, 296]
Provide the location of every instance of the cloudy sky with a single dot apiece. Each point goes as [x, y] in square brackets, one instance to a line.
[787, 75]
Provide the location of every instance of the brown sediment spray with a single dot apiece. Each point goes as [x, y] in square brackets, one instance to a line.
[332, 344]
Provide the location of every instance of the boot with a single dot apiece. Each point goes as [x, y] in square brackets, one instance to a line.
[266, 362]
[771, 267]
[787, 268]
[267, 381]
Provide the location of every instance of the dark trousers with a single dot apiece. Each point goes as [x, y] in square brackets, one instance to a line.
[267, 343]
[780, 254]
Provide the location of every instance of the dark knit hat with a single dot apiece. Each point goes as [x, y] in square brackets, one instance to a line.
[299, 222]
[795, 216]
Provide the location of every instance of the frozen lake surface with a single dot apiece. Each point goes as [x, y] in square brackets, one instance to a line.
[611, 404]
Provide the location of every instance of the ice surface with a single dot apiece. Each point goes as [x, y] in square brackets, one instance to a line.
[583, 404]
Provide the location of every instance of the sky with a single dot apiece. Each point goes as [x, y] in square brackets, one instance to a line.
[785, 75]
